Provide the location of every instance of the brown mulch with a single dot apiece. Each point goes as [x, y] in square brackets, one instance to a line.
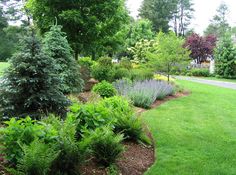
[160, 102]
[135, 160]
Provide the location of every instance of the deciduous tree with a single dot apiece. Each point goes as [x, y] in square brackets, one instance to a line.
[86, 23]
[201, 47]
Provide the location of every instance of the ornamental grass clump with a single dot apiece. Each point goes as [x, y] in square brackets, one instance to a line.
[144, 93]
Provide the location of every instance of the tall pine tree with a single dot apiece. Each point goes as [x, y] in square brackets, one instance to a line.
[57, 46]
[31, 86]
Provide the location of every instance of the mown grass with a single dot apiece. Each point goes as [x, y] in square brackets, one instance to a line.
[195, 135]
[3, 66]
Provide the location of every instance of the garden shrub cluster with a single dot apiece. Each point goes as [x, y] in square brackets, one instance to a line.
[144, 93]
[199, 72]
[56, 146]
[104, 89]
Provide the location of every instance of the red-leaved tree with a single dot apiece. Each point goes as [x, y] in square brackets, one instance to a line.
[201, 47]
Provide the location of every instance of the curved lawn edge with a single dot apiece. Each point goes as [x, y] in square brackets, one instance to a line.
[195, 134]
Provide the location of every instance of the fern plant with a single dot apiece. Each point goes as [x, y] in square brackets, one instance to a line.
[106, 146]
[37, 159]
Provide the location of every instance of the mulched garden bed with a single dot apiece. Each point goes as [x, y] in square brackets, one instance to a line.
[135, 160]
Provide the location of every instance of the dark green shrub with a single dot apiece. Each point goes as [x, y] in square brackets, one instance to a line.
[31, 86]
[104, 89]
[200, 72]
[103, 69]
[36, 160]
[56, 45]
[142, 74]
[106, 146]
[90, 117]
[105, 61]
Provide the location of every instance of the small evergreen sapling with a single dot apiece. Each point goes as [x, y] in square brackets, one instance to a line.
[56, 45]
[30, 86]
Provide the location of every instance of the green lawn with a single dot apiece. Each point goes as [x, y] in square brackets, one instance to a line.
[195, 135]
[3, 66]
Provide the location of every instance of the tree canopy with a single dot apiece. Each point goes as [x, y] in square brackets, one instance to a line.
[86, 23]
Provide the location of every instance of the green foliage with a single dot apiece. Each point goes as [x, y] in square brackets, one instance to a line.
[103, 69]
[17, 133]
[126, 122]
[70, 155]
[169, 52]
[31, 86]
[86, 64]
[118, 105]
[90, 117]
[132, 128]
[140, 50]
[106, 146]
[142, 74]
[160, 12]
[37, 159]
[139, 29]
[3, 67]
[225, 58]
[90, 27]
[125, 63]
[119, 73]
[56, 46]
[104, 89]
[200, 72]
[219, 24]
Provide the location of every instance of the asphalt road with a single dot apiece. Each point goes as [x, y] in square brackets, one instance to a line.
[224, 84]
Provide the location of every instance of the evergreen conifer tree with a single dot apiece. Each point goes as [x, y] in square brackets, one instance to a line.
[30, 86]
[57, 46]
[225, 57]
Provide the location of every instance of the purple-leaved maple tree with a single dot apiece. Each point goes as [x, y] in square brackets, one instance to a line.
[201, 47]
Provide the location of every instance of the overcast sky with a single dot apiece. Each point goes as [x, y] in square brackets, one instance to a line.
[204, 11]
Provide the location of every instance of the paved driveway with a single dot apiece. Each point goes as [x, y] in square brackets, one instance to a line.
[210, 82]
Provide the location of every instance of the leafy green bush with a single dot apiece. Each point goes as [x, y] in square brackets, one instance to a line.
[119, 73]
[90, 117]
[104, 89]
[118, 105]
[17, 133]
[126, 63]
[36, 160]
[106, 146]
[200, 72]
[142, 74]
[103, 69]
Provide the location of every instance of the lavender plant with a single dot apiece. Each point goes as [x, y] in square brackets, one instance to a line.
[144, 93]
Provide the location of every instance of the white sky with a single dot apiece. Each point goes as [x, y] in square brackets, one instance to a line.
[204, 11]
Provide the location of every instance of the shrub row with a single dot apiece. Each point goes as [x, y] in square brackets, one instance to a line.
[105, 70]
